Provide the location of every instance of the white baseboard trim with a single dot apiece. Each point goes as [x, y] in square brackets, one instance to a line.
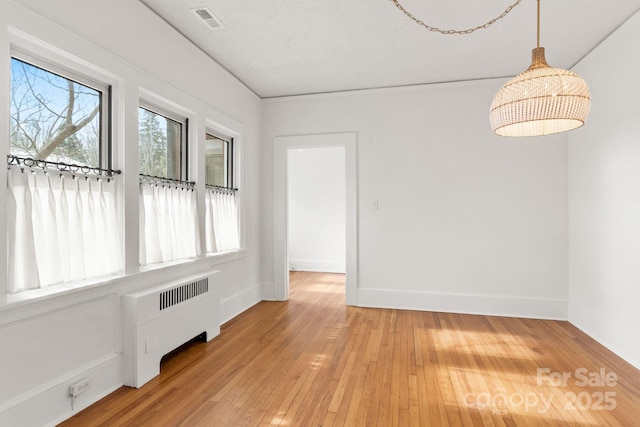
[622, 340]
[50, 404]
[319, 266]
[232, 306]
[463, 303]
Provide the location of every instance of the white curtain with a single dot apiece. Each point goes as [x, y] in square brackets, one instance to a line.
[168, 223]
[221, 220]
[60, 229]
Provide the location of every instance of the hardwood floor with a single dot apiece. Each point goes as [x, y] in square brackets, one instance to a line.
[312, 361]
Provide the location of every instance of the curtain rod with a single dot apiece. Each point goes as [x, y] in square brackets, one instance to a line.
[220, 189]
[29, 162]
[158, 180]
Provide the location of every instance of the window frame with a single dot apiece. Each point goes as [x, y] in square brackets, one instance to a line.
[105, 113]
[229, 166]
[184, 135]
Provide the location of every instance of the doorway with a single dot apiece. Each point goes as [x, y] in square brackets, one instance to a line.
[316, 209]
[283, 147]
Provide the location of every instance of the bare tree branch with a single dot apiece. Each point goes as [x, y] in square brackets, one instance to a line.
[66, 131]
[49, 113]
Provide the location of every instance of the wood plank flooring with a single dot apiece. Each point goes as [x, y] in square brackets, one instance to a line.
[312, 361]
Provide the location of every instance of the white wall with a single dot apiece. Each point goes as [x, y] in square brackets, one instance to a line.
[604, 198]
[50, 341]
[316, 215]
[467, 221]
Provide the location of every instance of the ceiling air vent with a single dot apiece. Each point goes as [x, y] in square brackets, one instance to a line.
[208, 17]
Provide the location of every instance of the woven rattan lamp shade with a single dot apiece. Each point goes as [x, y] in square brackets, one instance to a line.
[540, 101]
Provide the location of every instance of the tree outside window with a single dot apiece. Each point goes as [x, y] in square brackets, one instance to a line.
[161, 142]
[54, 118]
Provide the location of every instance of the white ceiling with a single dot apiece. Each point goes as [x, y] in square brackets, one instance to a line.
[294, 47]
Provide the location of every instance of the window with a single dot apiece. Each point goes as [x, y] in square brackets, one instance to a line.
[61, 227]
[219, 161]
[169, 228]
[221, 198]
[57, 116]
[163, 145]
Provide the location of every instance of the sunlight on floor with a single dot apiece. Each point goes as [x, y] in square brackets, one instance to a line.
[493, 343]
[335, 332]
[317, 361]
[334, 289]
[279, 419]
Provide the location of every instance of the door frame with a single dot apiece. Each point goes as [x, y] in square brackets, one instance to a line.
[282, 145]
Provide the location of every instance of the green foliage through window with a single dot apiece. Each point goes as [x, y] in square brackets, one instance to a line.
[160, 145]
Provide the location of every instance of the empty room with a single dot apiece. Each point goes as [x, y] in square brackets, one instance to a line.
[297, 213]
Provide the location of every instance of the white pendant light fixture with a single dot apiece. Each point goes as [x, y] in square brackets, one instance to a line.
[540, 101]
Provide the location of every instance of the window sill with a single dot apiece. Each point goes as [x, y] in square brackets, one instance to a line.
[108, 284]
[221, 257]
[35, 302]
[212, 259]
[63, 288]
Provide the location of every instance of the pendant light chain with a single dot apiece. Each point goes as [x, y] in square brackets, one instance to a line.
[538, 45]
[462, 32]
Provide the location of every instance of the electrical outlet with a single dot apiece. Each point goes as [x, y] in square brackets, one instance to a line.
[80, 387]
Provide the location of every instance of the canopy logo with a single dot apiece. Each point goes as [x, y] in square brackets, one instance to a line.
[500, 401]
